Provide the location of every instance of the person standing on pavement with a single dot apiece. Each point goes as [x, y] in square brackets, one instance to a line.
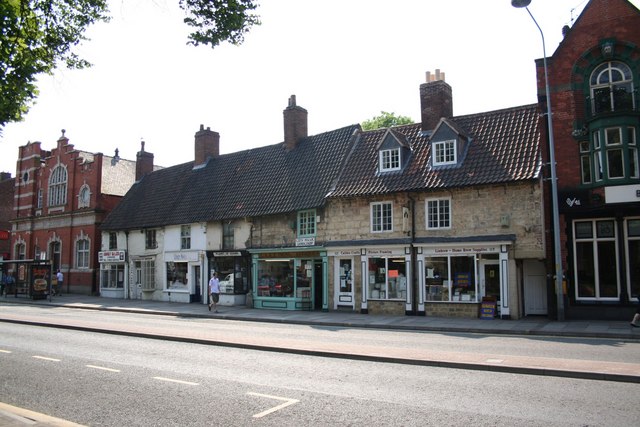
[636, 318]
[60, 279]
[214, 292]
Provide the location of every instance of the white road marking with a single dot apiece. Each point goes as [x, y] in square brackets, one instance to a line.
[50, 359]
[175, 381]
[5, 351]
[102, 368]
[287, 402]
[494, 360]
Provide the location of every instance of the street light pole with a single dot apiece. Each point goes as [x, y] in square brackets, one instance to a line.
[554, 180]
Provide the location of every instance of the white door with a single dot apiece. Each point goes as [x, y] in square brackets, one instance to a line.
[535, 287]
[343, 280]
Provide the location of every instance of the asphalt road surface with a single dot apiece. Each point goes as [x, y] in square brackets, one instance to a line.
[109, 380]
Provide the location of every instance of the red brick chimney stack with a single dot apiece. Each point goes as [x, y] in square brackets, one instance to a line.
[207, 145]
[295, 124]
[436, 100]
[144, 162]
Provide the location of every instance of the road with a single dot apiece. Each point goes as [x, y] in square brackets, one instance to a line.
[99, 379]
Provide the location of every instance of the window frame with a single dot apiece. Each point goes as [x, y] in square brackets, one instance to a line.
[150, 240]
[306, 223]
[58, 180]
[381, 221]
[443, 220]
[390, 159]
[445, 152]
[82, 254]
[185, 237]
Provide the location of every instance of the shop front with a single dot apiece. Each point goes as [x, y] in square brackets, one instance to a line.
[290, 279]
[345, 275]
[456, 279]
[233, 272]
[183, 271]
[113, 273]
[386, 279]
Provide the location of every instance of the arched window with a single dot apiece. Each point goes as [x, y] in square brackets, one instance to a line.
[58, 186]
[611, 87]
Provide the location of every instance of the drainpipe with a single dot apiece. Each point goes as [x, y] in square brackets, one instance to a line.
[127, 281]
[414, 279]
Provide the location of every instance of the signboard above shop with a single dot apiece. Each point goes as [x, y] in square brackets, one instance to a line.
[111, 256]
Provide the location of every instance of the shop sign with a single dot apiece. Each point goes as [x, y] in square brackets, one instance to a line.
[487, 310]
[111, 256]
[379, 252]
[182, 256]
[305, 241]
[4, 235]
[461, 250]
[226, 254]
[345, 252]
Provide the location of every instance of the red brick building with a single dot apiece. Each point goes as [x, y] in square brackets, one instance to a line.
[61, 198]
[6, 213]
[594, 77]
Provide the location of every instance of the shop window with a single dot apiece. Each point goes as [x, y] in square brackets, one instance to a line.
[58, 186]
[451, 278]
[438, 213]
[444, 153]
[82, 253]
[146, 274]
[150, 241]
[307, 223]
[389, 160]
[632, 229]
[387, 278]
[276, 278]
[177, 273]
[381, 217]
[185, 237]
[112, 276]
[596, 259]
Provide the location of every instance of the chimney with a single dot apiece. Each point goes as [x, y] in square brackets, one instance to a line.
[436, 100]
[207, 145]
[144, 163]
[295, 124]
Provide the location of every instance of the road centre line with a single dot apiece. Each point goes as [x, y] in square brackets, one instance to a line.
[5, 351]
[175, 381]
[287, 402]
[102, 368]
[50, 359]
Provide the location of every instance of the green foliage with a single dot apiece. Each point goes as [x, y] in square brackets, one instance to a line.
[37, 35]
[34, 36]
[385, 120]
[217, 21]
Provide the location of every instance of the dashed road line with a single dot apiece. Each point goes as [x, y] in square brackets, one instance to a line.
[5, 351]
[102, 368]
[50, 359]
[287, 402]
[175, 381]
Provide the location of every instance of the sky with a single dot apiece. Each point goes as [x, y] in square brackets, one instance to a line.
[345, 60]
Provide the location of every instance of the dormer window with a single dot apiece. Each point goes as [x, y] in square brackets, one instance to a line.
[444, 153]
[390, 160]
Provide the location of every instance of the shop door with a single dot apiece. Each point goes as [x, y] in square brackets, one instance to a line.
[535, 288]
[195, 274]
[343, 279]
[490, 279]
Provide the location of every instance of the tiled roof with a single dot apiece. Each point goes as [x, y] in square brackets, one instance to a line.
[262, 181]
[504, 147]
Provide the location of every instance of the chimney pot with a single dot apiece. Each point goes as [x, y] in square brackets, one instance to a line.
[436, 100]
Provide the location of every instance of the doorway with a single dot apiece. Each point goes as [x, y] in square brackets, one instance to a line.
[343, 280]
[535, 288]
[490, 279]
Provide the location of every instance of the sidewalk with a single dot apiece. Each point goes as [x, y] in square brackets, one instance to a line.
[538, 326]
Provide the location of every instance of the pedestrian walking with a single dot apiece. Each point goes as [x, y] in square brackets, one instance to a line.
[636, 318]
[214, 292]
[59, 279]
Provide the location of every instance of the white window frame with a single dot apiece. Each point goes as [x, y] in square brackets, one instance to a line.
[185, 237]
[146, 274]
[443, 220]
[58, 186]
[307, 223]
[381, 217]
[82, 253]
[445, 152]
[390, 159]
[84, 202]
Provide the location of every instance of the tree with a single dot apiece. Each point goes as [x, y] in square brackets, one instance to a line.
[36, 36]
[385, 120]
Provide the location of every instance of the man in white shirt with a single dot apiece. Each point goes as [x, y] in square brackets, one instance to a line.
[214, 292]
[59, 279]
